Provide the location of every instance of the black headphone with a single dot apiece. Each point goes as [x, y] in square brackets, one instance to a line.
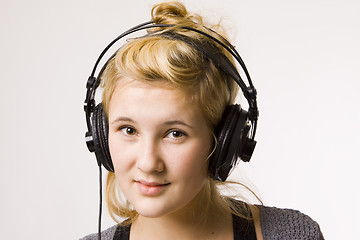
[236, 131]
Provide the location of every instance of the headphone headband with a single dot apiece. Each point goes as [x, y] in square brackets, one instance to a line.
[218, 58]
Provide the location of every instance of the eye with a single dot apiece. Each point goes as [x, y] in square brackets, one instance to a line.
[129, 131]
[176, 134]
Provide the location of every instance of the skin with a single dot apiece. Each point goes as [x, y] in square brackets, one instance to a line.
[159, 143]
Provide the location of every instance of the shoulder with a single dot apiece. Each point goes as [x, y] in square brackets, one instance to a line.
[107, 234]
[278, 224]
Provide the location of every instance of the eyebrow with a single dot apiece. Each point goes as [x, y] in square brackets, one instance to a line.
[172, 122]
[122, 119]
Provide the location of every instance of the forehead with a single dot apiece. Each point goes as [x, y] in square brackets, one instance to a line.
[131, 96]
[138, 88]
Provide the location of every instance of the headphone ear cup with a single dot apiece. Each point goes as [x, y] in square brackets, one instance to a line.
[100, 130]
[232, 135]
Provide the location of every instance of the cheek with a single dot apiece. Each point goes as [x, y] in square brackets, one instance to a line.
[119, 154]
[113, 149]
[191, 162]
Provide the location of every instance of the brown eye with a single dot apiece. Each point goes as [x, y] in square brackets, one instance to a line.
[175, 134]
[128, 131]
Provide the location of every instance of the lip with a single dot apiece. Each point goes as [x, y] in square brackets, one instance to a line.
[151, 188]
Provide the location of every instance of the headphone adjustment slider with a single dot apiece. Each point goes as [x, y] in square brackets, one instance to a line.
[251, 92]
[90, 82]
[89, 105]
[89, 141]
[253, 113]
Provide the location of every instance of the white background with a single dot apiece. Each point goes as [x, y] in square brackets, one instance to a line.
[304, 60]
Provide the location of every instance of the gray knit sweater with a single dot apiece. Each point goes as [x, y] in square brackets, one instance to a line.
[276, 224]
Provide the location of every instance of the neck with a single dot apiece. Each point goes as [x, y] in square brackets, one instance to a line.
[200, 219]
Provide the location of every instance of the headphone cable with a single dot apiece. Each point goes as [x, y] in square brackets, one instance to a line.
[100, 202]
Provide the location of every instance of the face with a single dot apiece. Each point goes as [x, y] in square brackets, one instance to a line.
[159, 144]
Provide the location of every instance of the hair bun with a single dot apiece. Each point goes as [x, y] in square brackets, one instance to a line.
[169, 13]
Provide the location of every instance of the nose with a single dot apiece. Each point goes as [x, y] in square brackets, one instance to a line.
[149, 157]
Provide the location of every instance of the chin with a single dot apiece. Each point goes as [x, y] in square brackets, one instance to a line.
[156, 207]
[151, 209]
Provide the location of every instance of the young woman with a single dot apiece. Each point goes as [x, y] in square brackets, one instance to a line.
[163, 101]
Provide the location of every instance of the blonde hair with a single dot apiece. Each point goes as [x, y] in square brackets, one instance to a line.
[157, 60]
